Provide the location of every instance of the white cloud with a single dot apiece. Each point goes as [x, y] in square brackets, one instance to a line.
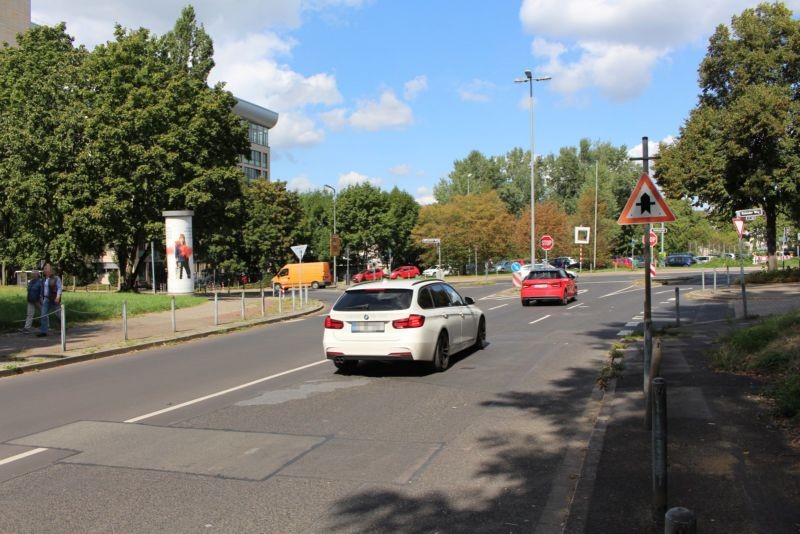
[301, 184]
[335, 119]
[413, 87]
[388, 112]
[476, 91]
[652, 147]
[424, 196]
[354, 178]
[400, 170]
[614, 45]
[295, 129]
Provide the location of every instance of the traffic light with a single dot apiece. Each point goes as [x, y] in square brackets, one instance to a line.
[336, 245]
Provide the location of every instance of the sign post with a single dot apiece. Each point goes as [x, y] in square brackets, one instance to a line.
[738, 222]
[646, 206]
[300, 251]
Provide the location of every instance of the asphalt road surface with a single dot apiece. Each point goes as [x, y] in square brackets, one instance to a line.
[255, 432]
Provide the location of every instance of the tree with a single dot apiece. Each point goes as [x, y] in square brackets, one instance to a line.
[401, 218]
[739, 147]
[159, 138]
[361, 220]
[273, 224]
[46, 208]
[188, 46]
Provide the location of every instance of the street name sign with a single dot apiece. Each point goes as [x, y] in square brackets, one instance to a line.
[752, 212]
[646, 205]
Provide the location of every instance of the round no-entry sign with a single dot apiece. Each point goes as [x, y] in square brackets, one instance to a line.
[546, 242]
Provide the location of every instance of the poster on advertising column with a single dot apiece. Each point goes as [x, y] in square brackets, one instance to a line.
[179, 257]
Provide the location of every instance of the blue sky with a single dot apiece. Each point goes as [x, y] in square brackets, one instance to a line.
[393, 92]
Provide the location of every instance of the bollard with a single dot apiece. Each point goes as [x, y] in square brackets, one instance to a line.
[704, 279]
[728, 274]
[677, 306]
[680, 520]
[125, 320]
[63, 329]
[243, 312]
[263, 307]
[659, 444]
[280, 303]
[292, 299]
[655, 372]
[172, 305]
[715, 279]
[216, 308]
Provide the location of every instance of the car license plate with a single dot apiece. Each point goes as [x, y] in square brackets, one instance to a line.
[539, 285]
[367, 326]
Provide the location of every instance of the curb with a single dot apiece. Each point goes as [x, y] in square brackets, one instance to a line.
[103, 353]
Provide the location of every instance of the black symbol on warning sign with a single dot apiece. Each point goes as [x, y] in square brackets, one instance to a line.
[645, 203]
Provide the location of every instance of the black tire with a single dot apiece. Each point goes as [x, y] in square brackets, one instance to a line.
[441, 354]
[277, 287]
[565, 298]
[314, 285]
[480, 337]
[346, 366]
[526, 303]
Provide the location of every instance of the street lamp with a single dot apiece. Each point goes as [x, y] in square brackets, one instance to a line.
[529, 79]
[335, 280]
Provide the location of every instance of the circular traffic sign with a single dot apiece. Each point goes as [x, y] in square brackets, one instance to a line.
[516, 266]
[546, 242]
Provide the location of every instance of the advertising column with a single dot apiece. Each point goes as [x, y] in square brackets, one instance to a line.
[179, 257]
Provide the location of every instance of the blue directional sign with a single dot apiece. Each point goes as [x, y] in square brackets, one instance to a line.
[516, 266]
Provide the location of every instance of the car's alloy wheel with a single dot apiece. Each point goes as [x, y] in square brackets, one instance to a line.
[480, 337]
[441, 355]
[565, 299]
[314, 285]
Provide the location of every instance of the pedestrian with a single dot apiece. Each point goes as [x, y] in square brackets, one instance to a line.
[35, 288]
[51, 297]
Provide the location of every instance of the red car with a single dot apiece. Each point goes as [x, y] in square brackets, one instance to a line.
[548, 284]
[366, 276]
[622, 262]
[405, 271]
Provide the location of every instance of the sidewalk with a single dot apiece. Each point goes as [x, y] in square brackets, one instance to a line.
[727, 461]
[21, 352]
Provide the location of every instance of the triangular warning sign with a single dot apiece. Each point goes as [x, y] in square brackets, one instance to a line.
[739, 224]
[646, 205]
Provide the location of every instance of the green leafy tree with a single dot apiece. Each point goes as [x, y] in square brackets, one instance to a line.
[273, 224]
[739, 147]
[361, 219]
[188, 46]
[317, 223]
[401, 218]
[46, 208]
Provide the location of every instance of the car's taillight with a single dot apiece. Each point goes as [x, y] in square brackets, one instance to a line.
[412, 321]
[556, 284]
[333, 323]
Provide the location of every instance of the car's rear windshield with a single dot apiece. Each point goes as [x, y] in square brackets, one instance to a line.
[378, 299]
[544, 274]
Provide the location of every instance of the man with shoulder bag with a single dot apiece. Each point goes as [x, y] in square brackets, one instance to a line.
[51, 297]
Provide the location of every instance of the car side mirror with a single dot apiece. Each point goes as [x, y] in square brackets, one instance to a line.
[469, 300]
[572, 276]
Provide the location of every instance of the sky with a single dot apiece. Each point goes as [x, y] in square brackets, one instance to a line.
[394, 92]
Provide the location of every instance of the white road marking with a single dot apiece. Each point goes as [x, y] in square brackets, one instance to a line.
[578, 305]
[539, 319]
[662, 292]
[623, 333]
[490, 309]
[620, 291]
[582, 291]
[223, 392]
[632, 323]
[21, 455]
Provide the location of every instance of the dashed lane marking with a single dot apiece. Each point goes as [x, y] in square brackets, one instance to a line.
[496, 307]
[539, 319]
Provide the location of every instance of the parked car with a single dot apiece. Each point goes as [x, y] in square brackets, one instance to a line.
[702, 259]
[619, 261]
[548, 284]
[400, 320]
[405, 271]
[433, 271]
[367, 276]
[503, 267]
[680, 260]
[564, 262]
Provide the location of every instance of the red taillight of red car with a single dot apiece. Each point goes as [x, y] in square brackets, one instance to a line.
[333, 323]
[412, 321]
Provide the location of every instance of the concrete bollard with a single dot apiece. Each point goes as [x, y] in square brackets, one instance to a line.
[63, 329]
[174, 325]
[263, 305]
[728, 274]
[243, 305]
[703, 275]
[659, 445]
[280, 303]
[216, 308]
[677, 306]
[715, 280]
[125, 320]
[680, 520]
[292, 299]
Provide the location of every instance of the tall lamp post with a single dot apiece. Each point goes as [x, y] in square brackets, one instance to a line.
[529, 79]
[335, 280]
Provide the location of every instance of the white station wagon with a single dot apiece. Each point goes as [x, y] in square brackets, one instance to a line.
[425, 320]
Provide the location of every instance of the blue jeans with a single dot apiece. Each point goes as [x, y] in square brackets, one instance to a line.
[48, 307]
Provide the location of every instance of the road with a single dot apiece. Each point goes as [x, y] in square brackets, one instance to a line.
[254, 431]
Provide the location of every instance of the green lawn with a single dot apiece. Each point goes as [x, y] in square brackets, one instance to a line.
[82, 307]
